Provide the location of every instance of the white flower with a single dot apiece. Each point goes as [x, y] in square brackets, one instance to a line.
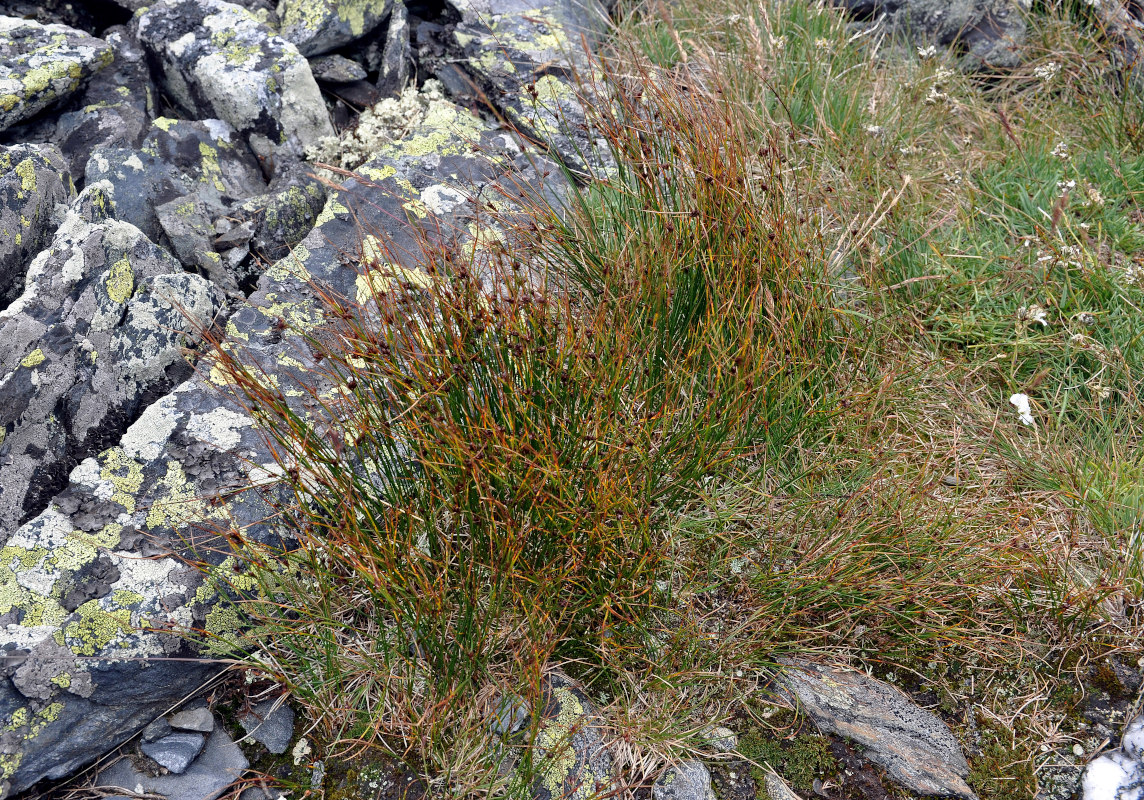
[953, 177]
[1092, 197]
[1033, 313]
[926, 53]
[875, 130]
[943, 75]
[1046, 72]
[934, 97]
[779, 43]
[1061, 151]
[1064, 187]
[1024, 412]
[823, 44]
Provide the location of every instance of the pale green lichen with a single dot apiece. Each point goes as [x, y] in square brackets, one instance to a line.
[125, 474]
[96, 628]
[212, 172]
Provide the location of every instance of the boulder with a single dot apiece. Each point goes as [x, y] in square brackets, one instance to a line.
[99, 330]
[572, 758]
[34, 179]
[687, 781]
[41, 65]
[319, 26]
[218, 60]
[986, 34]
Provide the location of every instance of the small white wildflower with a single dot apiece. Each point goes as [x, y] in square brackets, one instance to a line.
[1064, 187]
[1024, 411]
[778, 43]
[1086, 318]
[926, 53]
[1046, 72]
[824, 45]
[1092, 197]
[943, 75]
[876, 131]
[1061, 151]
[934, 97]
[1099, 390]
[953, 177]
[1033, 313]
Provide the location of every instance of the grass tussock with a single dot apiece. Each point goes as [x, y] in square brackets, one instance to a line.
[745, 395]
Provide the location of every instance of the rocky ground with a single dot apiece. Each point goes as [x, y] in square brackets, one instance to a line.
[191, 170]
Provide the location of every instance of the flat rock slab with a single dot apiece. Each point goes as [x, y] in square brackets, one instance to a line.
[43, 64]
[220, 764]
[270, 724]
[915, 748]
[319, 26]
[194, 719]
[176, 751]
[33, 180]
[218, 60]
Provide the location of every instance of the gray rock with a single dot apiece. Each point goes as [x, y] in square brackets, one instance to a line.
[511, 715]
[396, 55]
[194, 719]
[777, 789]
[572, 757]
[271, 724]
[217, 767]
[115, 109]
[319, 26]
[138, 182]
[988, 34]
[156, 730]
[279, 219]
[687, 781]
[915, 748]
[43, 64]
[187, 223]
[721, 739]
[218, 60]
[336, 69]
[33, 180]
[176, 751]
[99, 327]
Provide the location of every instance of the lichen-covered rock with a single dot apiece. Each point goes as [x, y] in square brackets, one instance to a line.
[43, 64]
[915, 748]
[178, 158]
[571, 756]
[396, 55]
[319, 26]
[687, 781]
[520, 60]
[282, 218]
[187, 224]
[336, 69]
[100, 327]
[218, 60]
[115, 107]
[987, 34]
[33, 180]
[131, 514]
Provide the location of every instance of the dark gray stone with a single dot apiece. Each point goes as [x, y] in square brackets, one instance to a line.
[396, 56]
[319, 26]
[570, 750]
[176, 751]
[336, 69]
[194, 719]
[156, 730]
[41, 65]
[271, 724]
[914, 746]
[218, 60]
[138, 182]
[217, 767]
[34, 179]
[187, 224]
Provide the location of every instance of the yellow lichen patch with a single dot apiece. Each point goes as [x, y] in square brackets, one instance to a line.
[33, 359]
[125, 474]
[232, 332]
[63, 680]
[302, 316]
[331, 208]
[26, 169]
[384, 278]
[212, 172]
[95, 628]
[120, 280]
[292, 265]
[9, 763]
[41, 78]
[9, 101]
[180, 505]
[164, 123]
[378, 173]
